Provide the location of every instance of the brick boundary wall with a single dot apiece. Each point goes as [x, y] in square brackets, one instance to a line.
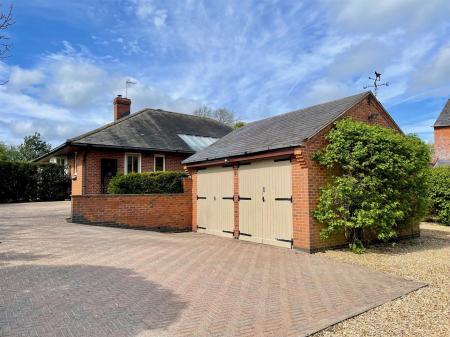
[162, 212]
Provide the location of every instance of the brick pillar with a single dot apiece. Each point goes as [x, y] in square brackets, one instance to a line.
[300, 203]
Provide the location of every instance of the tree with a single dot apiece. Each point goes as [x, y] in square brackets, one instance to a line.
[222, 115]
[32, 147]
[5, 22]
[204, 111]
[380, 186]
[238, 124]
[3, 152]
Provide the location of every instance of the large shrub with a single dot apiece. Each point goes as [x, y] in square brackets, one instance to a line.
[439, 192]
[53, 182]
[147, 183]
[380, 181]
[24, 181]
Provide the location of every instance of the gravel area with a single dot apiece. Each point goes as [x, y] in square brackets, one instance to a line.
[425, 312]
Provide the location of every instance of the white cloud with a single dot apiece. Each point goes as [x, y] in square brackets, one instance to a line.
[68, 93]
[20, 78]
[434, 77]
[160, 18]
[385, 15]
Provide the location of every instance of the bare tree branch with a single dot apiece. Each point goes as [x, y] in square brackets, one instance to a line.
[6, 21]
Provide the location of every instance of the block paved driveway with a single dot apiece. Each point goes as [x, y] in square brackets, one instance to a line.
[63, 279]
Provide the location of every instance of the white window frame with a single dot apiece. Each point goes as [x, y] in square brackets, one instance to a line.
[154, 162]
[125, 161]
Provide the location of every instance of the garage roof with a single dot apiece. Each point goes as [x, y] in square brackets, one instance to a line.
[444, 117]
[282, 131]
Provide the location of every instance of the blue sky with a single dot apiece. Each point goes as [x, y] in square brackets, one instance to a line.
[258, 58]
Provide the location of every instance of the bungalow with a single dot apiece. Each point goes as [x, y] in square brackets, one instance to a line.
[442, 137]
[259, 183]
[146, 141]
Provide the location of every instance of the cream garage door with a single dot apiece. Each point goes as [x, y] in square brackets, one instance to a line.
[265, 202]
[215, 206]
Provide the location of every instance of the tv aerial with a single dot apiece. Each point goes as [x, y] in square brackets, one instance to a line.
[128, 83]
[376, 83]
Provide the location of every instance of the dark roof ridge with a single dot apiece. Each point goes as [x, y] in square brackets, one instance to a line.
[189, 115]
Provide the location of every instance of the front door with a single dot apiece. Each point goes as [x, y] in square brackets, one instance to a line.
[109, 170]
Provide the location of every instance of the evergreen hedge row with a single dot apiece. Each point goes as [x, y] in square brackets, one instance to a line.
[147, 183]
[24, 181]
[439, 192]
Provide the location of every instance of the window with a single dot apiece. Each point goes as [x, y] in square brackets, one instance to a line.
[132, 163]
[61, 161]
[160, 163]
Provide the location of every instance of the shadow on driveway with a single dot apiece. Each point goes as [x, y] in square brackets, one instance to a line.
[82, 300]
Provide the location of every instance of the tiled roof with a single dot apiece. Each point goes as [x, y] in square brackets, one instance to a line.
[444, 117]
[153, 129]
[281, 131]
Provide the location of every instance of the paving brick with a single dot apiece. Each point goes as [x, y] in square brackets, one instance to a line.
[64, 279]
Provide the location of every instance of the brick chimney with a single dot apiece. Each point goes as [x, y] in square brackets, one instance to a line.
[122, 107]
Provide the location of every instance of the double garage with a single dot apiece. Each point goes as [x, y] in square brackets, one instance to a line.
[251, 201]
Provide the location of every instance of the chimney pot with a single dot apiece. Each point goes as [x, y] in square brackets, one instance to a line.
[122, 107]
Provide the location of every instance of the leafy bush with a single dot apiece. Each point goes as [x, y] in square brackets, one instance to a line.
[147, 183]
[53, 182]
[380, 185]
[439, 192]
[24, 181]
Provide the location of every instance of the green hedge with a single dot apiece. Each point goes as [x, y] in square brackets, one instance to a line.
[439, 192]
[147, 183]
[24, 181]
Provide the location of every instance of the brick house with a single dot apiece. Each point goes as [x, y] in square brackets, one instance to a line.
[442, 137]
[259, 183]
[146, 141]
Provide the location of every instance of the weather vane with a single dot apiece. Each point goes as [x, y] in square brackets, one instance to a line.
[376, 83]
[127, 84]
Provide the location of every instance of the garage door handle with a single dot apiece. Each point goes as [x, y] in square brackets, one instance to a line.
[227, 198]
[284, 199]
[244, 234]
[243, 198]
[200, 197]
[201, 227]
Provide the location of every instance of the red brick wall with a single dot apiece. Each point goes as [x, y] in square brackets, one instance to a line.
[149, 211]
[442, 143]
[93, 167]
[318, 177]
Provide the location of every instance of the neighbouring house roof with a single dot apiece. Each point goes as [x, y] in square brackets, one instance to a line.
[282, 131]
[442, 162]
[152, 129]
[444, 117]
